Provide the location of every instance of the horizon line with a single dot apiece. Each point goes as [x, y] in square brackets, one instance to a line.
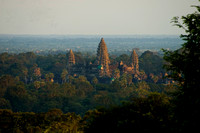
[93, 34]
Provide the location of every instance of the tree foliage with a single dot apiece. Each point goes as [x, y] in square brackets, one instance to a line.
[149, 114]
[151, 63]
[52, 121]
[183, 65]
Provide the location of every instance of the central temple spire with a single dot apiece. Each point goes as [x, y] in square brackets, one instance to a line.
[103, 60]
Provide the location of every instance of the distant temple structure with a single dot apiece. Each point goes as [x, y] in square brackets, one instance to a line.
[131, 68]
[71, 58]
[71, 62]
[103, 60]
[102, 68]
[134, 62]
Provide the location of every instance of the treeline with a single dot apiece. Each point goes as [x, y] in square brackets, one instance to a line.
[152, 113]
[78, 95]
[28, 122]
[29, 67]
[35, 83]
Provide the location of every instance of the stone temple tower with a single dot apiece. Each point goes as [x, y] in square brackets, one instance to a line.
[70, 58]
[134, 62]
[103, 60]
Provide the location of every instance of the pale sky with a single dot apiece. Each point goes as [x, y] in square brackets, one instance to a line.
[94, 17]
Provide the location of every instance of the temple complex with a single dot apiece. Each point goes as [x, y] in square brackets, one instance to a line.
[102, 68]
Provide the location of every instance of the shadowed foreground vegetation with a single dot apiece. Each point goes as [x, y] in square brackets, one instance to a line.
[141, 114]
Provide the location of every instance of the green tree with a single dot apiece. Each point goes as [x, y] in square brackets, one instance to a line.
[19, 98]
[70, 79]
[148, 115]
[129, 79]
[68, 90]
[124, 57]
[6, 81]
[49, 77]
[142, 90]
[82, 78]
[5, 104]
[3, 57]
[116, 85]
[151, 63]
[37, 84]
[184, 67]
[123, 80]
[64, 75]
[116, 74]
[83, 86]
[25, 74]
[94, 82]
